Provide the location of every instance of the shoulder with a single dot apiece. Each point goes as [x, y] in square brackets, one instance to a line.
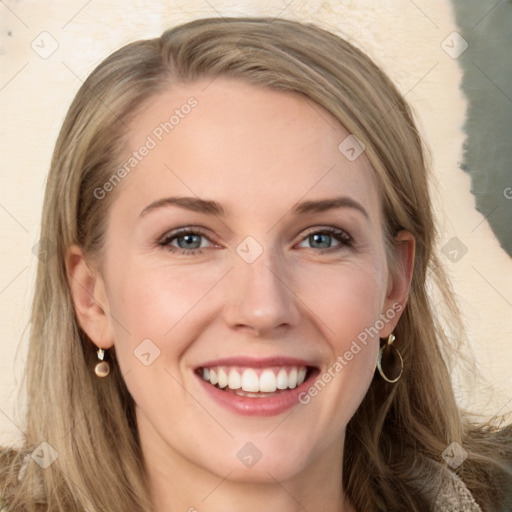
[9, 460]
[14, 465]
[6, 458]
[455, 496]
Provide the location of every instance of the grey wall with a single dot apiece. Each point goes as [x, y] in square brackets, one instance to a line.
[487, 63]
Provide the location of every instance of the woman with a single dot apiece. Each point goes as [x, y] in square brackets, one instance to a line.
[236, 315]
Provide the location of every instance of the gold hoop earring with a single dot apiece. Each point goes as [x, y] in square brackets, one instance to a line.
[392, 360]
[102, 369]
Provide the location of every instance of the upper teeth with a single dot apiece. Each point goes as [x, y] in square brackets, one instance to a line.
[265, 380]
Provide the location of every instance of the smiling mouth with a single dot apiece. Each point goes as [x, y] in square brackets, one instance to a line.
[256, 382]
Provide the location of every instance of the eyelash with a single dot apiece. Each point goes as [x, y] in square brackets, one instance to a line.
[341, 236]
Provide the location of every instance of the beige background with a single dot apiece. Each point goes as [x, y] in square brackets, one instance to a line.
[47, 48]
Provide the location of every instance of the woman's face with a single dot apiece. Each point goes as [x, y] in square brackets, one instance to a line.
[245, 247]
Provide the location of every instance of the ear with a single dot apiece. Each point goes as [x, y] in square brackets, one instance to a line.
[89, 298]
[399, 281]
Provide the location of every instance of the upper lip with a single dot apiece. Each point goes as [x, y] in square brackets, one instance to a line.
[257, 362]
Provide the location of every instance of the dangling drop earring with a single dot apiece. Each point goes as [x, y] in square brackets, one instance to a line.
[392, 359]
[102, 369]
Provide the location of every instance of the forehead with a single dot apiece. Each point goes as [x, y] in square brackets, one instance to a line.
[237, 142]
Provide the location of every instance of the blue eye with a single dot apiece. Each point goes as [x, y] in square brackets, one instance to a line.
[322, 239]
[188, 242]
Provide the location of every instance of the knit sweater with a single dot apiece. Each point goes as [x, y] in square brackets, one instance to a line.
[455, 497]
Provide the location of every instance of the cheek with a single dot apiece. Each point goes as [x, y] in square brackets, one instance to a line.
[348, 302]
[347, 299]
[156, 311]
[158, 303]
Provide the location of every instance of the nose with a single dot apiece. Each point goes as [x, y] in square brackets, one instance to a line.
[260, 298]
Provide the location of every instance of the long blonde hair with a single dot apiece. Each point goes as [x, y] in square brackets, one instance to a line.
[399, 429]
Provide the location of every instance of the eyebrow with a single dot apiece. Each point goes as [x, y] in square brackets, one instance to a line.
[214, 208]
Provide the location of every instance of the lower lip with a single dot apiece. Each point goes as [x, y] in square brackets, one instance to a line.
[270, 406]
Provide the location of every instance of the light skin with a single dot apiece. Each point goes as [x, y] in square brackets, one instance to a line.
[257, 152]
